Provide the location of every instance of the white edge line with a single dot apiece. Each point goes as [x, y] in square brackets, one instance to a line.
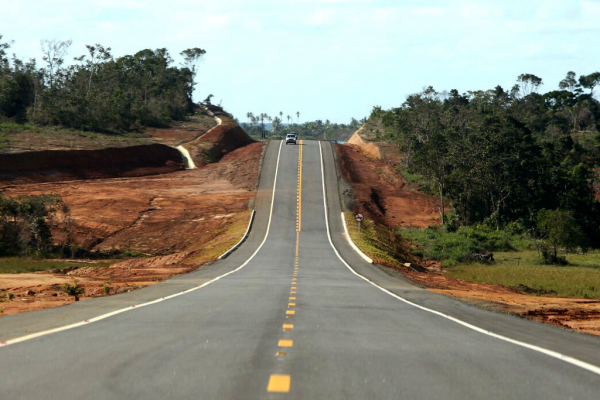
[574, 361]
[355, 247]
[122, 310]
[238, 244]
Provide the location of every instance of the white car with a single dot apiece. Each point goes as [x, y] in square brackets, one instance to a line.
[290, 138]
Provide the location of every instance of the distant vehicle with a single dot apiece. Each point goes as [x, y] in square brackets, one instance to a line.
[291, 138]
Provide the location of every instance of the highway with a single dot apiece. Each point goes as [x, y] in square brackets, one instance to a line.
[294, 313]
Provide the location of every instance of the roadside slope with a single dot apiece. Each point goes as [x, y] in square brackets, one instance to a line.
[183, 217]
[383, 195]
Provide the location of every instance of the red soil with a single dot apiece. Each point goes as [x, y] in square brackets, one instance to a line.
[171, 216]
[66, 165]
[382, 194]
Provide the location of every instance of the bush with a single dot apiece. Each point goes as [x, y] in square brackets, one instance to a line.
[559, 228]
[75, 290]
[453, 247]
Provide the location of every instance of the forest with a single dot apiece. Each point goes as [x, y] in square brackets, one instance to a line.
[507, 158]
[97, 92]
[262, 125]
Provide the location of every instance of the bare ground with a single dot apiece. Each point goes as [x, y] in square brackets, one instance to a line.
[179, 219]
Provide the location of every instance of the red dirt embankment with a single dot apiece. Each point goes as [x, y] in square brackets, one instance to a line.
[382, 194]
[218, 141]
[181, 218]
[68, 165]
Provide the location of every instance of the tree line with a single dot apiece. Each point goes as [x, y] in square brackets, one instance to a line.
[97, 91]
[502, 157]
[26, 223]
[263, 125]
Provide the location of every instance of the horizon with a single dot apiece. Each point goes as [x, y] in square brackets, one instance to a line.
[329, 59]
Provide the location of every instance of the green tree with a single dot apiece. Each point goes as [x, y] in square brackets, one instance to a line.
[559, 229]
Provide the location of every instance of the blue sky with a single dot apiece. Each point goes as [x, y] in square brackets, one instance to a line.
[328, 59]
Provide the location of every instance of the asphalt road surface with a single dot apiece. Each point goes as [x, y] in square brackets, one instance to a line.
[291, 320]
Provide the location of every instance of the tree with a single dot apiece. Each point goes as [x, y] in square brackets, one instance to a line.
[98, 54]
[590, 81]
[559, 228]
[54, 52]
[529, 83]
[4, 46]
[569, 83]
[434, 160]
[276, 124]
[191, 58]
[298, 116]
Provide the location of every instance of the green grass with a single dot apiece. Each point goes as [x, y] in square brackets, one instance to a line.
[12, 127]
[416, 179]
[3, 141]
[15, 265]
[377, 241]
[581, 278]
[452, 248]
[27, 135]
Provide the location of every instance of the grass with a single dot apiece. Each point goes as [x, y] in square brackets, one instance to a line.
[16, 265]
[580, 279]
[12, 127]
[31, 136]
[377, 241]
[452, 248]
[3, 141]
[420, 181]
[222, 239]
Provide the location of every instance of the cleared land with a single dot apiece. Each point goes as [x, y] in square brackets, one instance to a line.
[178, 220]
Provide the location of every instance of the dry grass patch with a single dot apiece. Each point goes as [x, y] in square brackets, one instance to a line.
[222, 239]
[378, 242]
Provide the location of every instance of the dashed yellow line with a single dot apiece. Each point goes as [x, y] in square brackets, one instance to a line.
[299, 196]
[279, 384]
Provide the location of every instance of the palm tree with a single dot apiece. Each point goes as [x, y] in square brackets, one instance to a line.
[249, 115]
[289, 118]
[298, 115]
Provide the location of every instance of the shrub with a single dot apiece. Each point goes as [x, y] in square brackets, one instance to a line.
[453, 247]
[74, 290]
[558, 228]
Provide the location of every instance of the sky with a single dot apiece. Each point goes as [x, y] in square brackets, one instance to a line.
[327, 59]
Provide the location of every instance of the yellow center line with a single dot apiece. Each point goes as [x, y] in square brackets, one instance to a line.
[300, 188]
[279, 384]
